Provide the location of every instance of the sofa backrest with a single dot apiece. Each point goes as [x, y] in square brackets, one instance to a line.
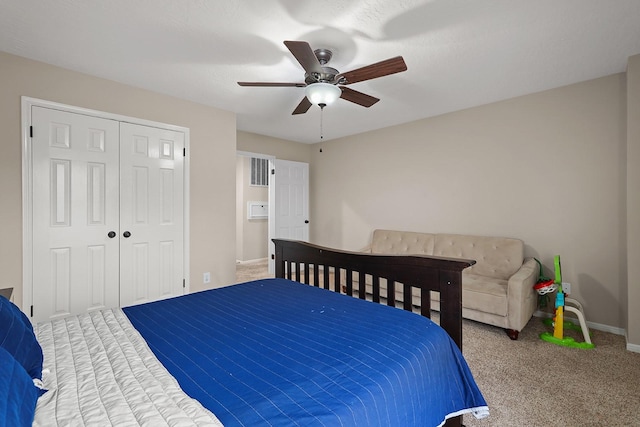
[401, 242]
[498, 257]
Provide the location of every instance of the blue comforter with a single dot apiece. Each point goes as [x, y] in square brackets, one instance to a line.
[277, 352]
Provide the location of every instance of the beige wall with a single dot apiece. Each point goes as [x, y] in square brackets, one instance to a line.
[251, 234]
[278, 148]
[633, 201]
[212, 159]
[546, 168]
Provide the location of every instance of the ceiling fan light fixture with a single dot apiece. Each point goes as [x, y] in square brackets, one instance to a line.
[322, 93]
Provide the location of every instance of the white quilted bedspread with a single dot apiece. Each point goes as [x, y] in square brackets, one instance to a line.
[100, 372]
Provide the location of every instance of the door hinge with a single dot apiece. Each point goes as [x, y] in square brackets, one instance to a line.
[184, 283]
[184, 152]
[30, 131]
[273, 171]
[273, 256]
[31, 311]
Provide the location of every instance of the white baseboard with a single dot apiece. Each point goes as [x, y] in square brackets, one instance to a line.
[633, 347]
[249, 261]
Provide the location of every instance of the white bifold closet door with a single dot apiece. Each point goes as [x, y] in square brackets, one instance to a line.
[107, 201]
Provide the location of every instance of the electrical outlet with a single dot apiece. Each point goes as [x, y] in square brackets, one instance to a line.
[566, 287]
[206, 278]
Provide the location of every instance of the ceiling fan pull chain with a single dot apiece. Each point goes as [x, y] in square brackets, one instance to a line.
[321, 116]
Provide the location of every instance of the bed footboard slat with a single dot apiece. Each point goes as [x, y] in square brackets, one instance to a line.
[325, 276]
[349, 275]
[316, 275]
[407, 294]
[375, 285]
[391, 290]
[336, 279]
[306, 274]
[425, 303]
[286, 269]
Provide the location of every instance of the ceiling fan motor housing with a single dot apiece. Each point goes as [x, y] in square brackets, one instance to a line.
[328, 75]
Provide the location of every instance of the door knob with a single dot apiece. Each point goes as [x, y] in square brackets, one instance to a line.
[126, 234]
[111, 234]
[306, 221]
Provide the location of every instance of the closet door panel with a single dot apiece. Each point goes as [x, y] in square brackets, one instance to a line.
[75, 185]
[151, 216]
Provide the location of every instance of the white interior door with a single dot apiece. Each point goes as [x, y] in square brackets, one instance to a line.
[107, 220]
[75, 206]
[151, 213]
[289, 194]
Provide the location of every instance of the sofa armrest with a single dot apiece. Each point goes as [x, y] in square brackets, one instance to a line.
[366, 249]
[521, 295]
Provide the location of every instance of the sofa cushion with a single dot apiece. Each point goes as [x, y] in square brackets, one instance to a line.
[485, 294]
[496, 257]
[402, 242]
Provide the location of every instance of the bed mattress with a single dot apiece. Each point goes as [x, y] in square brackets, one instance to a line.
[277, 352]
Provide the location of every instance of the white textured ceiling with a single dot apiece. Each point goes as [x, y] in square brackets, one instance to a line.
[459, 53]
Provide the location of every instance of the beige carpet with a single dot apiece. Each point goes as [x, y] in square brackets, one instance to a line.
[251, 270]
[532, 383]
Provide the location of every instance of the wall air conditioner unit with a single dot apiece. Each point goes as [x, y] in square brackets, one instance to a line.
[257, 210]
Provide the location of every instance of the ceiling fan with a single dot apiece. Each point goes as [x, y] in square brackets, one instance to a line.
[324, 84]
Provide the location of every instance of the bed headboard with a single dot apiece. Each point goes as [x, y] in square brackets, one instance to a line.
[301, 261]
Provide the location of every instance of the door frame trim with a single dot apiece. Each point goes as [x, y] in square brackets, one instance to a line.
[27, 188]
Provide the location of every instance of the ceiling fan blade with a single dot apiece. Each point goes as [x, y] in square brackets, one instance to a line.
[358, 97]
[303, 107]
[268, 84]
[305, 56]
[373, 71]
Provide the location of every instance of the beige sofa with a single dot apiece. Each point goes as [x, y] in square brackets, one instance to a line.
[497, 290]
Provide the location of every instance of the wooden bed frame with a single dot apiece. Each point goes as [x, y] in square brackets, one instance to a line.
[301, 261]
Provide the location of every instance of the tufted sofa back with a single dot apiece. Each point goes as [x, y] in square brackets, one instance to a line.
[402, 242]
[498, 257]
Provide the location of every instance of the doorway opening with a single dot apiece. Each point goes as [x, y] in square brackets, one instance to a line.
[252, 207]
[286, 208]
